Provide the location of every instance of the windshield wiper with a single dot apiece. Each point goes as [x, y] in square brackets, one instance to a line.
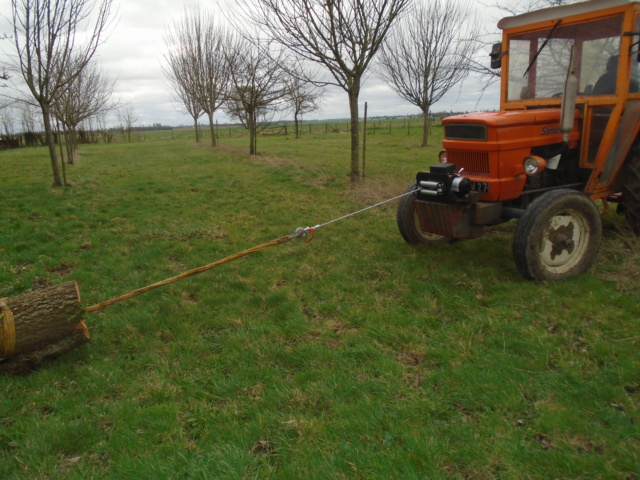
[544, 44]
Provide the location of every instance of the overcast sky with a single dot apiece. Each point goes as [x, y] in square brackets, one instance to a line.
[133, 55]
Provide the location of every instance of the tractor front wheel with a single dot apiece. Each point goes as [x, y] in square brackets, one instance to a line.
[409, 223]
[631, 189]
[558, 236]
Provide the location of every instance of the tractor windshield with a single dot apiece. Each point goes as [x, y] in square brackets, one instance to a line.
[538, 61]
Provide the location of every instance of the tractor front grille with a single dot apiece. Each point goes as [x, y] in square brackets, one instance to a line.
[474, 163]
[462, 131]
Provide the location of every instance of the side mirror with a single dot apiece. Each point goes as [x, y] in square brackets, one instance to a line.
[496, 55]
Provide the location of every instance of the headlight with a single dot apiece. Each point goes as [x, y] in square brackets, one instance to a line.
[442, 156]
[533, 165]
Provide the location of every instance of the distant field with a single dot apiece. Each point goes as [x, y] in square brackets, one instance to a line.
[353, 356]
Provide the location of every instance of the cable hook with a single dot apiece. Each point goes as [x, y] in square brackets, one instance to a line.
[303, 232]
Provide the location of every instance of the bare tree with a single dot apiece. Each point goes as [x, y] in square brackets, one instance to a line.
[101, 125]
[302, 97]
[185, 85]
[341, 35]
[429, 53]
[47, 36]
[523, 6]
[257, 85]
[29, 120]
[127, 118]
[215, 79]
[7, 119]
[197, 67]
[87, 95]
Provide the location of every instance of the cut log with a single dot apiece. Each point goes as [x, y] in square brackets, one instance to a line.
[40, 324]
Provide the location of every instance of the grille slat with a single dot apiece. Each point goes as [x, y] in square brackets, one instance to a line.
[474, 163]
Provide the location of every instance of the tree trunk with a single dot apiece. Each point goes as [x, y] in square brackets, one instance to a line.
[255, 138]
[425, 126]
[195, 125]
[60, 134]
[72, 143]
[295, 119]
[48, 135]
[40, 324]
[354, 93]
[212, 128]
[251, 122]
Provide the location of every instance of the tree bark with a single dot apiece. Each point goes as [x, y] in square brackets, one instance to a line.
[251, 122]
[46, 323]
[212, 128]
[46, 120]
[425, 126]
[195, 126]
[354, 93]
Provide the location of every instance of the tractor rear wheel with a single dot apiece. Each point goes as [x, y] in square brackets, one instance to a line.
[558, 236]
[631, 189]
[409, 223]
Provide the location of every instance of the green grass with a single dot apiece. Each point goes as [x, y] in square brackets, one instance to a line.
[353, 356]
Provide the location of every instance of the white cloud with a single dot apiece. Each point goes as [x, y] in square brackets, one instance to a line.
[133, 53]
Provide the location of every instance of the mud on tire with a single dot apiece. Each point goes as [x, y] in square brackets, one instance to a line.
[558, 236]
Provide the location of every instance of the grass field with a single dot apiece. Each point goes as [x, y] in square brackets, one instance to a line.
[352, 356]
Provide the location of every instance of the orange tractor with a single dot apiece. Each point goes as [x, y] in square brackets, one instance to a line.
[566, 137]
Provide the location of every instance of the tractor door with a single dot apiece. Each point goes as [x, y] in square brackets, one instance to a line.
[599, 73]
[614, 116]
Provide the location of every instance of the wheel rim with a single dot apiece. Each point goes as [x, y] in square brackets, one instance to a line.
[564, 242]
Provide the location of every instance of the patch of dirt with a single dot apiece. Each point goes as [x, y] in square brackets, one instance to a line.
[189, 298]
[61, 270]
[586, 445]
[40, 282]
[410, 358]
[339, 327]
[264, 447]
[621, 248]
[21, 267]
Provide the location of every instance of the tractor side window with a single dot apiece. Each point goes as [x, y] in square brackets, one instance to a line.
[600, 66]
[538, 61]
[519, 53]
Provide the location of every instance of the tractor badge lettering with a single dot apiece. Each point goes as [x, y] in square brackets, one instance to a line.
[551, 131]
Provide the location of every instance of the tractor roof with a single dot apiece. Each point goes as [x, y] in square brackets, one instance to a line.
[554, 13]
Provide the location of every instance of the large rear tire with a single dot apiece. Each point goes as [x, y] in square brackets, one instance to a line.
[558, 236]
[631, 189]
[409, 223]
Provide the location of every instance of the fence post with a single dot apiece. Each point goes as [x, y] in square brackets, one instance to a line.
[364, 141]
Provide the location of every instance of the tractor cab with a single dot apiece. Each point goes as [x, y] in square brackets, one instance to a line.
[568, 121]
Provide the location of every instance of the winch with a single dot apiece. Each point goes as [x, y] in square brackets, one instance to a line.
[443, 183]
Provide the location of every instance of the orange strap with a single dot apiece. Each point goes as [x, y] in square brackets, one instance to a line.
[190, 273]
[8, 330]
